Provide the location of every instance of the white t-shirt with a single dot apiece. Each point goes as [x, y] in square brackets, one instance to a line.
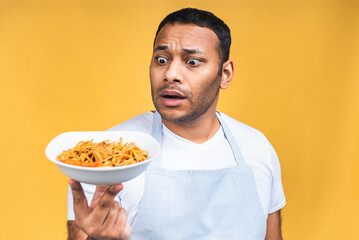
[181, 154]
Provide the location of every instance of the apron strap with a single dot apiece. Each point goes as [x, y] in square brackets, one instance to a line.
[232, 142]
[157, 134]
[157, 127]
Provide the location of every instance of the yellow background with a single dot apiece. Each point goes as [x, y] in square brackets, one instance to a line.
[83, 65]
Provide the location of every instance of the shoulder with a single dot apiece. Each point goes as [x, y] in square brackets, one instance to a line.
[255, 147]
[258, 153]
[142, 123]
[242, 130]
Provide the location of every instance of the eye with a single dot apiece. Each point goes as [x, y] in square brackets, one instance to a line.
[193, 61]
[161, 60]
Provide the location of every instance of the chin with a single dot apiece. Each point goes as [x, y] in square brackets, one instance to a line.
[173, 115]
[170, 115]
[178, 116]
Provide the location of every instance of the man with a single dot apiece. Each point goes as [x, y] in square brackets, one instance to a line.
[216, 178]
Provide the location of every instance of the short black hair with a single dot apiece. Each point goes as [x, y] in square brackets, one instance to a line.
[202, 18]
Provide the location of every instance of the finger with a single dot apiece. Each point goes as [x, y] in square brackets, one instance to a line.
[112, 216]
[122, 225]
[104, 204]
[79, 199]
[127, 231]
[121, 217]
[100, 190]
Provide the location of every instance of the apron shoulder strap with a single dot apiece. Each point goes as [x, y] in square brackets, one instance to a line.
[231, 140]
[157, 127]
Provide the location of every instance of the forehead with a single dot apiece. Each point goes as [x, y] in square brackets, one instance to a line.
[187, 36]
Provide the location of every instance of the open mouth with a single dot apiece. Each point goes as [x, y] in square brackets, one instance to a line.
[172, 95]
[172, 98]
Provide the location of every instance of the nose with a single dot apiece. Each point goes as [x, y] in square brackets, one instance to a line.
[173, 73]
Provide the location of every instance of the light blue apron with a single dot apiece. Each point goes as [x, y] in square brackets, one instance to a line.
[199, 204]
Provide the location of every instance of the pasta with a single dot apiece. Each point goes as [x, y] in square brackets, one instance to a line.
[103, 154]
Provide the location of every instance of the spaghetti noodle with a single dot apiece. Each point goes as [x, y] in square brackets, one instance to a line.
[103, 154]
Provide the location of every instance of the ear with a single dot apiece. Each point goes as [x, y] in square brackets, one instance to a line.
[227, 73]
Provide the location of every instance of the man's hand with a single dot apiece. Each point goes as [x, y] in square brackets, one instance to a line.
[104, 219]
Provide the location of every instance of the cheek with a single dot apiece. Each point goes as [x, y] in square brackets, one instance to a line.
[208, 78]
[208, 86]
[155, 74]
[153, 78]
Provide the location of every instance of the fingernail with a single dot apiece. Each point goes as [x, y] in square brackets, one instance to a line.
[116, 188]
[73, 183]
[119, 187]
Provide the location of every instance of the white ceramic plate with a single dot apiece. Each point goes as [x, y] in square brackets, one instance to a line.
[103, 175]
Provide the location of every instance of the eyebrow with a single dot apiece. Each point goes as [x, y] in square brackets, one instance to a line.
[160, 47]
[186, 50]
[194, 50]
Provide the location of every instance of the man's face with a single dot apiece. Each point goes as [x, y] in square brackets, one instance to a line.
[184, 72]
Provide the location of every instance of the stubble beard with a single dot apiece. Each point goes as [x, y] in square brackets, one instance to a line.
[199, 106]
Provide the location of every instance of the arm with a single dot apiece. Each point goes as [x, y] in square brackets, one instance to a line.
[103, 219]
[274, 231]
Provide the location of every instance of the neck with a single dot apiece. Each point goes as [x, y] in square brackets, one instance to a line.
[199, 130]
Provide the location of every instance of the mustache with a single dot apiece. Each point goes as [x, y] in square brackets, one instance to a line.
[184, 92]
